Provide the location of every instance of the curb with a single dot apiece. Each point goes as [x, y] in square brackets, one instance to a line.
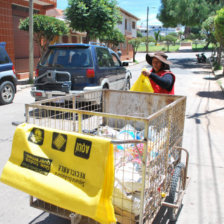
[23, 84]
[21, 87]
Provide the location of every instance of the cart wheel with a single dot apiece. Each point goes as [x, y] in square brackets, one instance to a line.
[176, 188]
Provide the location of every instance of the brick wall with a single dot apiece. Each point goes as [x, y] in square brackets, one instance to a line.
[6, 26]
[6, 21]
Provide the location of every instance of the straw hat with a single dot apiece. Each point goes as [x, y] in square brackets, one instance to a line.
[160, 56]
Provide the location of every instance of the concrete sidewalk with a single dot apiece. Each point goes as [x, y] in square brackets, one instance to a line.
[219, 76]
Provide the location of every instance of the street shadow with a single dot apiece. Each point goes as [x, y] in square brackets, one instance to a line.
[185, 50]
[162, 216]
[219, 77]
[196, 115]
[202, 72]
[212, 95]
[188, 63]
[46, 218]
[210, 78]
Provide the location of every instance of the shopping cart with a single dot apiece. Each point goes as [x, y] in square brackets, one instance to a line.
[146, 130]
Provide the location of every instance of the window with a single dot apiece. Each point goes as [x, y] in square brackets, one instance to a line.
[3, 57]
[104, 58]
[126, 24]
[65, 39]
[67, 58]
[133, 25]
[116, 61]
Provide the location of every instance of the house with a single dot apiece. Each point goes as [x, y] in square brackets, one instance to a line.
[129, 28]
[17, 41]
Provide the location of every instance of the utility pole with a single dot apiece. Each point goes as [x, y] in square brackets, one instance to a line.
[31, 41]
[147, 37]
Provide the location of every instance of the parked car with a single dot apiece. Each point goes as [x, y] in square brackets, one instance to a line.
[8, 80]
[77, 68]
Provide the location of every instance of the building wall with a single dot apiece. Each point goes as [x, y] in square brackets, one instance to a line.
[8, 28]
[129, 32]
[121, 26]
[163, 31]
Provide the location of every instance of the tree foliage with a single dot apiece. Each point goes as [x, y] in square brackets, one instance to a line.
[113, 38]
[169, 39]
[219, 32]
[187, 13]
[219, 26]
[139, 34]
[95, 17]
[146, 42]
[135, 43]
[208, 31]
[45, 29]
[157, 36]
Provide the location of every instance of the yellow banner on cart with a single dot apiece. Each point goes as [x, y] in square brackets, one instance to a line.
[69, 170]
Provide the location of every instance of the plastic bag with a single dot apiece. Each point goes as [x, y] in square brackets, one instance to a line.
[142, 84]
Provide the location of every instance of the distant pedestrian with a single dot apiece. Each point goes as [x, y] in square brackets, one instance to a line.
[119, 52]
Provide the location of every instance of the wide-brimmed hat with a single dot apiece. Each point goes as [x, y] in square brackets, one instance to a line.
[159, 55]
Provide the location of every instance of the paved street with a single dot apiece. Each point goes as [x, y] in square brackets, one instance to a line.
[203, 136]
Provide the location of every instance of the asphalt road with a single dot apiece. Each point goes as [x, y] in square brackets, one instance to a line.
[203, 136]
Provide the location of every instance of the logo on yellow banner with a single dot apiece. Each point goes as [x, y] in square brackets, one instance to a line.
[82, 148]
[36, 163]
[59, 141]
[36, 136]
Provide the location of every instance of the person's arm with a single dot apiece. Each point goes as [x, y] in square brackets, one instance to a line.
[166, 81]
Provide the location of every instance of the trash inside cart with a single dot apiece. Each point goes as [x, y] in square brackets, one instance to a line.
[146, 130]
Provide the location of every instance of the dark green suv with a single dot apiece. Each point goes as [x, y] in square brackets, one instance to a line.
[8, 78]
[78, 68]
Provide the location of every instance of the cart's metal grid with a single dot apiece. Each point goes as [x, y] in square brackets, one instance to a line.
[142, 167]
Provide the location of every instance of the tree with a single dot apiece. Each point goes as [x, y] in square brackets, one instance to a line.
[113, 38]
[135, 44]
[95, 17]
[195, 12]
[170, 39]
[139, 34]
[219, 32]
[157, 36]
[150, 39]
[45, 29]
[180, 35]
[207, 31]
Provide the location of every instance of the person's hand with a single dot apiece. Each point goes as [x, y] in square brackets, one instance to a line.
[146, 73]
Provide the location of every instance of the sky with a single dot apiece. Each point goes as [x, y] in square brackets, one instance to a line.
[137, 8]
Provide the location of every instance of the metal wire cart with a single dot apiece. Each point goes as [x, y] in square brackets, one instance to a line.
[146, 130]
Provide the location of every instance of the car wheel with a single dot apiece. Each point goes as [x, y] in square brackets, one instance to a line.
[7, 92]
[127, 84]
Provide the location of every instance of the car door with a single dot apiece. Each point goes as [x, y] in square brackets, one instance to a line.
[120, 72]
[106, 71]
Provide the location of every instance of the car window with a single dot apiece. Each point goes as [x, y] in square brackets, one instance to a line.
[67, 58]
[116, 61]
[104, 58]
[3, 57]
